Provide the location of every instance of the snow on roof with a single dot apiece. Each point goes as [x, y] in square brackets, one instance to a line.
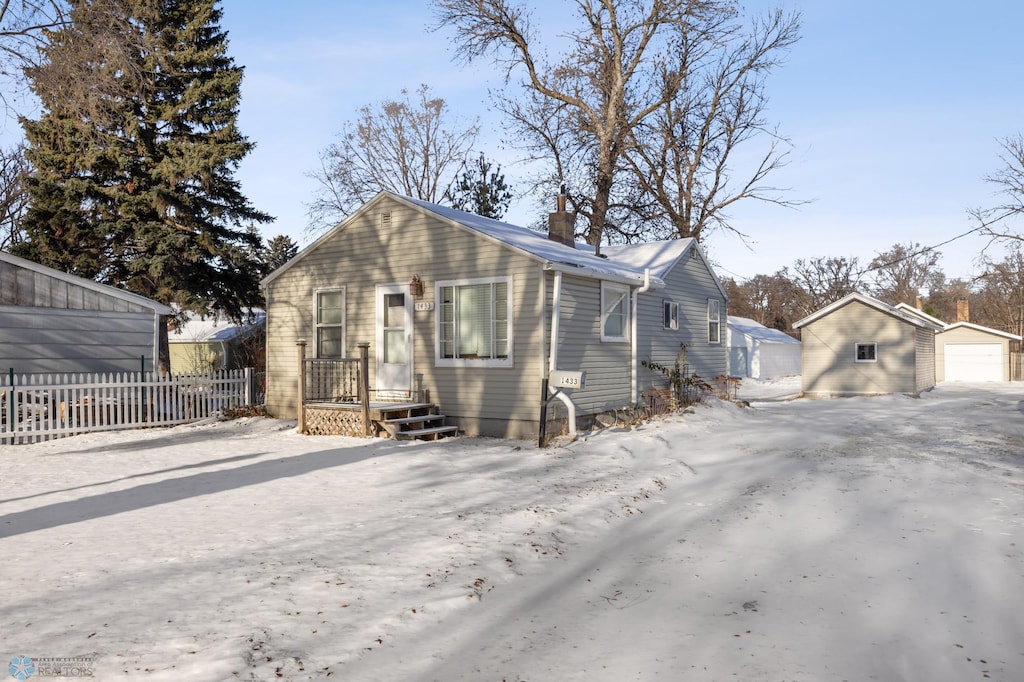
[538, 245]
[871, 302]
[660, 257]
[213, 328]
[623, 264]
[979, 328]
[757, 331]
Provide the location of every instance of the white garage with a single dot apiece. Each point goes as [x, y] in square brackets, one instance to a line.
[974, 362]
[970, 352]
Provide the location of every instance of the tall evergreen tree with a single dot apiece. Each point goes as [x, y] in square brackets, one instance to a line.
[135, 152]
[480, 189]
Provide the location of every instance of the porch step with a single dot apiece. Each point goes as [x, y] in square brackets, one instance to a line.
[420, 421]
[432, 433]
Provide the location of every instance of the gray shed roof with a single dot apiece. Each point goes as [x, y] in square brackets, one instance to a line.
[104, 289]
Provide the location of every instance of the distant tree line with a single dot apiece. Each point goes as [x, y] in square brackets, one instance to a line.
[906, 273]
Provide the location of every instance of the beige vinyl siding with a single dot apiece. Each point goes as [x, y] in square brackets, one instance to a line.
[967, 335]
[827, 359]
[690, 284]
[925, 360]
[364, 254]
[580, 348]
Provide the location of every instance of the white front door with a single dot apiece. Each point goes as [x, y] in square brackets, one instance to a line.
[394, 342]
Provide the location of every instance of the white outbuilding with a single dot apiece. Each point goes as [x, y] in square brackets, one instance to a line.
[760, 352]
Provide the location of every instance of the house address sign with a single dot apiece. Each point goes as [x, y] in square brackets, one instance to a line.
[424, 305]
[564, 379]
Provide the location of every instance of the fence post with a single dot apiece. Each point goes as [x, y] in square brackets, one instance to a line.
[364, 384]
[248, 386]
[11, 427]
[301, 397]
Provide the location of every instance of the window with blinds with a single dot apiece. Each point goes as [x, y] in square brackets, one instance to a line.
[473, 322]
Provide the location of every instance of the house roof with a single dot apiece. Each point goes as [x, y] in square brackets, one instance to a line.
[979, 328]
[624, 264]
[759, 332]
[106, 290]
[919, 313]
[213, 328]
[880, 306]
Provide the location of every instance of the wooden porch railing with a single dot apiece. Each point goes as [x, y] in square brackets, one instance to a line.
[334, 380]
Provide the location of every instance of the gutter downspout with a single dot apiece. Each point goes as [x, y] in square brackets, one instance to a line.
[634, 371]
[556, 309]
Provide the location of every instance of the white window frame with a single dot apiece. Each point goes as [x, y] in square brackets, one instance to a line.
[874, 352]
[669, 314]
[608, 289]
[440, 361]
[317, 325]
[715, 318]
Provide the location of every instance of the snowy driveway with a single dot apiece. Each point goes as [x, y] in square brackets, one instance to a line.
[851, 539]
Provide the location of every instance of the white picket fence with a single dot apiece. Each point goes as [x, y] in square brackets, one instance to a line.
[38, 407]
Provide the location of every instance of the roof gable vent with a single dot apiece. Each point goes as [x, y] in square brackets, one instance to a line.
[385, 219]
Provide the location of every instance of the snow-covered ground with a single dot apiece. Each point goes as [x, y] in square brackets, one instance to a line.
[855, 539]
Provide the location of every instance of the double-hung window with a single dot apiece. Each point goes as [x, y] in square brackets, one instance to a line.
[474, 322]
[614, 312]
[714, 321]
[329, 307]
[670, 315]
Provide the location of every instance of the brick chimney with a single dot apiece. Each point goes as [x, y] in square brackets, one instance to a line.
[963, 310]
[561, 224]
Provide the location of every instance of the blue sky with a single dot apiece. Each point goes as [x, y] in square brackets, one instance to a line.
[894, 110]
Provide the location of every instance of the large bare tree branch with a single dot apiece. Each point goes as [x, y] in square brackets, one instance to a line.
[408, 146]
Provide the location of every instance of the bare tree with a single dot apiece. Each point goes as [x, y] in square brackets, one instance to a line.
[997, 221]
[23, 29]
[13, 195]
[1000, 302]
[408, 146]
[772, 300]
[824, 280]
[683, 156]
[626, 65]
[904, 272]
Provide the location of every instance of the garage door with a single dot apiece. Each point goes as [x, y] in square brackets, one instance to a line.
[974, 362]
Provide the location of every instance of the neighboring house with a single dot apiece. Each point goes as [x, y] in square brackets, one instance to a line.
[476, 312]
[862, 346]
[966, 351]
[760, 352]
[214, 342]
[51, 321]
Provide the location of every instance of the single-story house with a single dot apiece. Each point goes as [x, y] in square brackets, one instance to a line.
[968, 352]
[862, 346]
[213, 342]
[760, 352]
[477, 313]
[51, 321]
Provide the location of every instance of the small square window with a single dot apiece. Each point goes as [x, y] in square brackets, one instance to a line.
[865, 352]
[671, 315]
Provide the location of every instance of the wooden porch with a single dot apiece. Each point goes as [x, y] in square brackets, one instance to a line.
[336, 400]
